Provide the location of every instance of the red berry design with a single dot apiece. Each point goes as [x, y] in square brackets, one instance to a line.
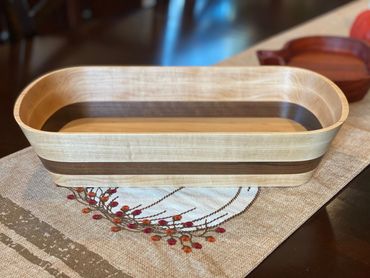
[186, 249]
[104, 198]
[125, 208]
[170, 232]
[115, 229]
[184, 238]
[91, 194]
[146, 222]
[116, 220]
[171, 241]
[112, 191]
[97, 216]
[113, 204]
[188, 224]
[220, 230]
[148, 230]
[91, 202]
[162, 222]
[71, 197]
[131, 226]
[197, 245]
[136, 212]
[156, 238]
[176, 217]
[86, 210]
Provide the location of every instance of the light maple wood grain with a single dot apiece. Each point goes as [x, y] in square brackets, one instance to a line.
[186, 180]
[164, 142]
[158, 125]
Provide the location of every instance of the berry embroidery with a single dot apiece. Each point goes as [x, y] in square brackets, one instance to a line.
[100, 202]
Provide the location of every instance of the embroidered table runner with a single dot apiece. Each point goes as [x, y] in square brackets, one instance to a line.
[50, 231]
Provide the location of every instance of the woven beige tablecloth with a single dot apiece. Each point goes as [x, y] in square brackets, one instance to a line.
[43, 235]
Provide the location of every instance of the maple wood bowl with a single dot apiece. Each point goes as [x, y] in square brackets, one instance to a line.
[346, 61]
[181, 126]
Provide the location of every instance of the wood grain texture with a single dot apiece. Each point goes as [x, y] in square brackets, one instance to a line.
[164, 124]
[344, 60]
[60, 97]
[318, 251]
[174, 111]
[273, 180]
[180, 168]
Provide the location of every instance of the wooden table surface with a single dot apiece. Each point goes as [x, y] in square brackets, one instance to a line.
[335, 242]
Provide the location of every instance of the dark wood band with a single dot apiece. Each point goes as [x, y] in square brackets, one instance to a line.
[79, 110]
[179, 168]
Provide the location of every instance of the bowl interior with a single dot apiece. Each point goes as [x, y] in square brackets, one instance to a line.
[170, 100]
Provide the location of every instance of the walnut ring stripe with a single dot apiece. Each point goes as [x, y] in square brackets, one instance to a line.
[279, 109]
[179, 168]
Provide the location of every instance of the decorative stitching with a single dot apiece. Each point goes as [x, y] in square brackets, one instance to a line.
[100, 202]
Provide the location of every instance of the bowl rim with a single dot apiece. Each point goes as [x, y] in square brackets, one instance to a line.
[342, 98]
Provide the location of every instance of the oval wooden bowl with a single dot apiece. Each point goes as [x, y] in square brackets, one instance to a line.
[181, 126]
[345, 61]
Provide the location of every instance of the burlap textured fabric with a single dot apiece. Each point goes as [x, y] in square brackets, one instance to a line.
[44, 235]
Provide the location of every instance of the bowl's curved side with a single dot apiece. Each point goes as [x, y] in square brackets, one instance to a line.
[281, 158]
